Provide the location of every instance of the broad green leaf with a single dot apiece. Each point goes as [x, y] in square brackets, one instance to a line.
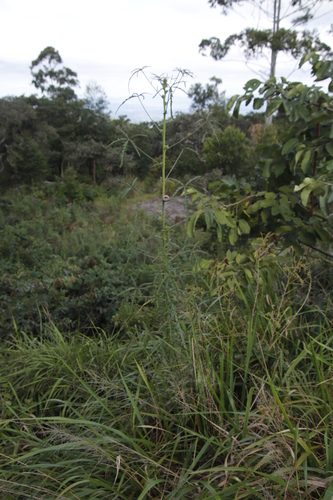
[206, 263]
[273, 106]
[233, 236]
[283, 229]
[265, 214]
[306, 182]
[305, 195]
[230, 221]
[286, 213]
[329, 165]
[236, 110]
[323, 203]
[279, 168]
[231, 102]
[258, 103]
[290, 145]
[329, 148]
[270, 80]
[306, 58]
[220, 216]
[284, 198]
[192, 222]
[252, 84]
[303, 112]
[298, 221]
[241, 258]
[306, 161]
[298, 155]
[244, 226]
[248, 273]
[267, 169]
[270, 202]
[286, 189]
[324, 71]
[269, 92]
[255, 207]
[295, 90]
[208, 219]
[231, 255]
[248, 100]
[287, 107]
[195, 197]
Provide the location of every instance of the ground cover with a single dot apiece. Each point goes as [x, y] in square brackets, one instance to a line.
[199, 391]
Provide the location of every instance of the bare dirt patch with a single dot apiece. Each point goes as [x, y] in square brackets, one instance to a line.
[175, 208]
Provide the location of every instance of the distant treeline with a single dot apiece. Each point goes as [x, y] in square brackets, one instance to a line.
[42, 135]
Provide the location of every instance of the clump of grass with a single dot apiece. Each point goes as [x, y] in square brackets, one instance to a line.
[217, 402]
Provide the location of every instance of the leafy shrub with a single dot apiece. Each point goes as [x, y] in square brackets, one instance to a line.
[227, 150]
[26, 161]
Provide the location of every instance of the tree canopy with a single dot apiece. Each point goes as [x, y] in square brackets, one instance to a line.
[50, 77]
[277, 38]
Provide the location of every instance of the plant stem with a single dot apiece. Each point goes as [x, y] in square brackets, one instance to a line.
[165, 147]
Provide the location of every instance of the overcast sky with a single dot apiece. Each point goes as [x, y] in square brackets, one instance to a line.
[103, 41]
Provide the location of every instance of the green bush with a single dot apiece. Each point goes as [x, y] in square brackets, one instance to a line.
[227, 150]
[26, 162]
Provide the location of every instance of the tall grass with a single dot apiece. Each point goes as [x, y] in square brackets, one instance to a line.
[219, 401]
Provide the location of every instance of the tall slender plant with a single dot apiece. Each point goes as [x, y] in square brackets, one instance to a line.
[164, 86]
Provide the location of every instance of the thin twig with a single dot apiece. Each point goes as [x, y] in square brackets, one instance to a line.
[317, 249]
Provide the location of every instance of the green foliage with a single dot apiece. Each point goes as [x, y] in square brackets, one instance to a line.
[49, 78]
[71, 188]
[205, 98]
[26, 161]
[157, 415]
[228, 151]
[277, 39]
[255, 41]
[69, 263]
[23, 143]
[294, 207]
[211, 379]
[57, 130]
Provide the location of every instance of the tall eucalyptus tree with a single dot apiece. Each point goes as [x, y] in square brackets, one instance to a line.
[276, 39]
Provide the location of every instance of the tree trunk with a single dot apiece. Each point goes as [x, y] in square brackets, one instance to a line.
[276, 27]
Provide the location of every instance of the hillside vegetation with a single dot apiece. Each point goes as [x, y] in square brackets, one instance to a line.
[149, 359]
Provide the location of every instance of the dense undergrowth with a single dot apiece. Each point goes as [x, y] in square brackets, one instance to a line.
[71, 263]
[183, 389]
[139, 363]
